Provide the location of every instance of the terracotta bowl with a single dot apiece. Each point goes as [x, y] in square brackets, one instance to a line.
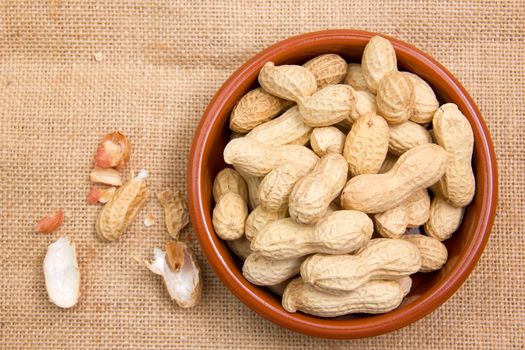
[429, 290]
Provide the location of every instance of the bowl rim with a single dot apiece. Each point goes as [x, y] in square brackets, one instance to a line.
[397, 318]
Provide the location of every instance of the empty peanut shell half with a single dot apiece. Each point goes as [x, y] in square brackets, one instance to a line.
[183, 283]
[61, 273]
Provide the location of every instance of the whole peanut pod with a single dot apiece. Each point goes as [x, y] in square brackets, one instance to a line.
[289, 128]
[254, 108]
[263, 271]
[240, 247]
[425, 100]
[380, 259]
[229, 180]
[328, 106]
[379, 58]
[366, 145]
[259, 218]
[255, 158]
[365, 103]
[340, 232]
[453, 132]
[434, 254]
[416, 169]
[405, 136]
[118, 213]
[290, 82]
[229, 216]
[313, 193]
[230, 195]
[355, 77]
[327, 139]
[275, 189]
[374, 297]
[395, 97]
[328, 69]
[444, 219]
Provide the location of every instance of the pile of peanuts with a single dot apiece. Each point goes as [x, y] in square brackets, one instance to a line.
[327, 201]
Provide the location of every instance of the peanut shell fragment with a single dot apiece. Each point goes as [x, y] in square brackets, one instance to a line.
[113, 151]
[175, 212]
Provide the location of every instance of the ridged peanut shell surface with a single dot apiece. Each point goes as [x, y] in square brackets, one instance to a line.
[416, 169]
[380, 259]
[425, 100]
[355, 77]
[290, 82]
[229, 216]
[229, 180]
[289, 128]
[434, 254]
[454, 133]
[263, 271]
[379, 58]
[254, 108]
[405, 136]
[328, 69]
[395, 97]
[444, 219]
[328, 106]
[313, 193]
[374, 297]
[366, 145]
[327, 139]
[365, 103]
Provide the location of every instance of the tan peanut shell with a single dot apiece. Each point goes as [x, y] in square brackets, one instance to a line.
[118, 213]
[380, 259]
[229, 180]
[290, 82]
[405, 136]
[254, 108]
[328, 106]
[425, 100]
[328, 69]
[229, 216]
[327, 139]
[289, 128]
[365, 103]
[374, 297]
[252, 184]
[259, 218]
[416, 169]
[418, 208]
[313, 193]
[434, 254]
[393, 222]
[275, 188]
[355, 78]
[263, 271]
[175, 212]
[340, 232]
[444, 219]
[379, 58]
[389, 162]
[366, 145]
[255, 158]
[454, 133]
[240, 247]
[414, 212]
[395, 97]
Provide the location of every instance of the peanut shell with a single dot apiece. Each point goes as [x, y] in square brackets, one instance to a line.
[405, 136]
[379, 58]
[328, 106]
[425, 100]
[395, 97]
[290, 82]
[328, 69]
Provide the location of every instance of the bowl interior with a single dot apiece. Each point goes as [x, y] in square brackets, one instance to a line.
[430, 289]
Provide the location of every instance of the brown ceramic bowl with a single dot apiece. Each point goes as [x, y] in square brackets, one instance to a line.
[429, 290]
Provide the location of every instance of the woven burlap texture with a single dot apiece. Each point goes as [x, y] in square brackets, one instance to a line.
[159, 64]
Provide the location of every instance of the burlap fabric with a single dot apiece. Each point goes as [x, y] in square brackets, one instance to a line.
[161, 62]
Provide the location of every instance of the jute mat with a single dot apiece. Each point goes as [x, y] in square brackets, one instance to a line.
[161, 62]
